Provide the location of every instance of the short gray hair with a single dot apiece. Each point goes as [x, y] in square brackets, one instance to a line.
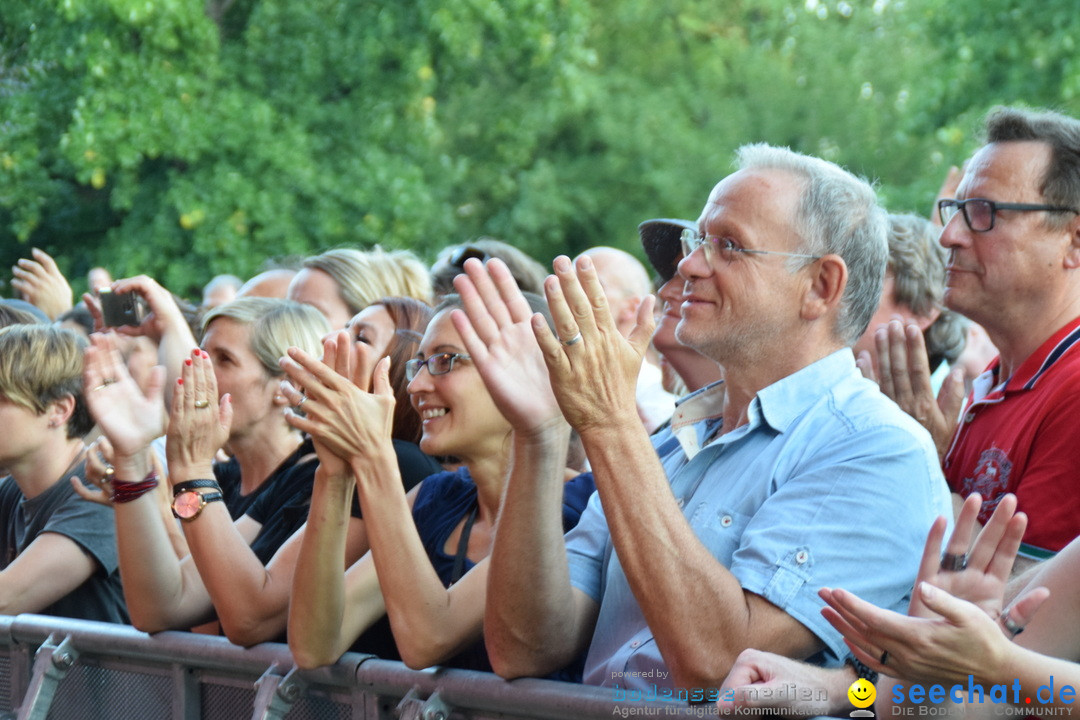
[917, 262]
[838, 214]
[1061, 182]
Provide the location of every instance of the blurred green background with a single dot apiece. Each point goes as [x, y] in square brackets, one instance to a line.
[185, 138]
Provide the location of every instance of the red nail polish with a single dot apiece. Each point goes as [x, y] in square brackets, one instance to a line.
[179, 381]
[205, 355]
[188, 362]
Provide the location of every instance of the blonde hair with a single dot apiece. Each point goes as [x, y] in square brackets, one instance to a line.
[364, 276]
[40, 364]
[276, 325]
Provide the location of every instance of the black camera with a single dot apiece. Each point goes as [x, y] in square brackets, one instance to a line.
[121, 308]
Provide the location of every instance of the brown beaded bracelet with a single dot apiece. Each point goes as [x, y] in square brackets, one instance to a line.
[124, 492]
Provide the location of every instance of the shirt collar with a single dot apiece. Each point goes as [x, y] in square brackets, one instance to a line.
[1039, 362]
[780, 404]
[788, 398]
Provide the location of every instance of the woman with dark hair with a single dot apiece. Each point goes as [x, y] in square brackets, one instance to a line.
[392, 327]
[429, 546]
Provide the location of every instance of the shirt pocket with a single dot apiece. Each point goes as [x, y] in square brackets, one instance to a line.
[719, 529]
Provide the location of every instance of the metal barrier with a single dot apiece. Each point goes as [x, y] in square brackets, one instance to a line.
[61, 669]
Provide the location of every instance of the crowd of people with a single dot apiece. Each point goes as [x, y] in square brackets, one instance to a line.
[726, 478]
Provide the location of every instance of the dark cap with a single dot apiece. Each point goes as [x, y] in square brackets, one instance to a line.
[662, 240]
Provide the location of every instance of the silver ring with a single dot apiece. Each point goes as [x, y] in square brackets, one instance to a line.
[884, 656]
[1011, 626]
[953, 563]
[303, 399]
[105, 382]
[200, 404]
[572, 341]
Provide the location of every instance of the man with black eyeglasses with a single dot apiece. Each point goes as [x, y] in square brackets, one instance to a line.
[1013, 236]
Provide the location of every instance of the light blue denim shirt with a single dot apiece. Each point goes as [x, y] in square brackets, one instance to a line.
[829, 484]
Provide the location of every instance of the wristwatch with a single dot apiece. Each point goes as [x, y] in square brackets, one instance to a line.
[188, 504]
[861, 670]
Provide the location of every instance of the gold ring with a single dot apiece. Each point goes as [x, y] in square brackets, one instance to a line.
[200, 404]
[104, 384]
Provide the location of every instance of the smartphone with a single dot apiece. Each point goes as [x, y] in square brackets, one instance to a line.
[121, 308]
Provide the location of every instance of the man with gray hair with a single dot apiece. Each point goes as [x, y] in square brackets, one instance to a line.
[797, 473]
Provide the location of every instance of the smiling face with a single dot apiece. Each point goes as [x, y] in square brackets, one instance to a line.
[671, 296]
[1005, 276]
[735, 312]
[312, 286]
[239, 372]
[862, 693]
[458, 415]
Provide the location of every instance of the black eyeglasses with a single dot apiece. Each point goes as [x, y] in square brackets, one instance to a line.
[980, 213]
[460, 255]
[436, 364]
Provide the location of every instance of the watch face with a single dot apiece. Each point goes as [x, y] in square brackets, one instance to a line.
[186, 504]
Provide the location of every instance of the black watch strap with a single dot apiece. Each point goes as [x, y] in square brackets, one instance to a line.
[861, 669]
[194, 485]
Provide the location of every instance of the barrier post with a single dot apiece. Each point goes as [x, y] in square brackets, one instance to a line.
[51, 665]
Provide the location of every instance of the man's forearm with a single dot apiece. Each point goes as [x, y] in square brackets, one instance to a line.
[698, 612]
[528, 623]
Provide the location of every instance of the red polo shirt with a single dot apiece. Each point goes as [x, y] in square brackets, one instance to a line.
[1025, 439]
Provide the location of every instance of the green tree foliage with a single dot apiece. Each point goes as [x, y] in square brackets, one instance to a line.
[157, 137]
[184, 139]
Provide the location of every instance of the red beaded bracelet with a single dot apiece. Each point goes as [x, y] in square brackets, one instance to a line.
[124, 492]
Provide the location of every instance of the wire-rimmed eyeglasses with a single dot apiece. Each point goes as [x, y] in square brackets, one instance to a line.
[725, 248]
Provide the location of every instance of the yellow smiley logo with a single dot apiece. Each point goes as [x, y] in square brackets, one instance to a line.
[862, 693]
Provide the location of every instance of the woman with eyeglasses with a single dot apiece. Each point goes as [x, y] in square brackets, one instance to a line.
[426, 569]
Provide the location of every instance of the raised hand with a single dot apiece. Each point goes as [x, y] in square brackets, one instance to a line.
[130, 419]
[960, 640]
[198, 422]
[164, 315]
[497, 330]
[904, 375]
[349, 421]
[41, 284]
[99, 473]
[593, 368]
[986, 557]
[971, 573]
